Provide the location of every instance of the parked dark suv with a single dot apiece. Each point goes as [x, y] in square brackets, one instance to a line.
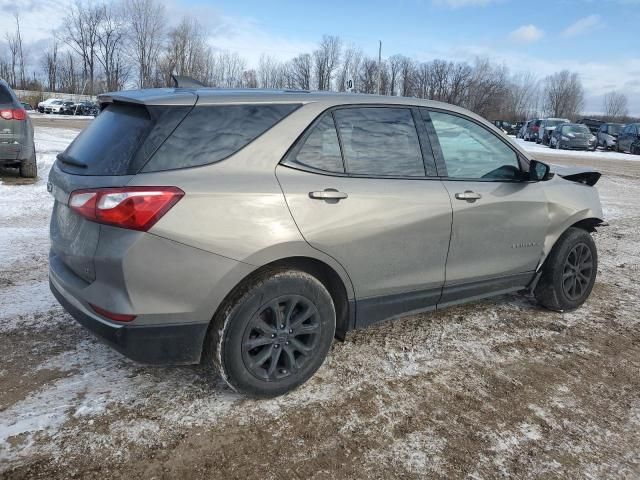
[16, 134]
[246, 228]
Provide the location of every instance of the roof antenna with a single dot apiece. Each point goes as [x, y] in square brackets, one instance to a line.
[182, 81]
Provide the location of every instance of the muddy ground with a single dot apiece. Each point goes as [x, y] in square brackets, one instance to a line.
[498, 388]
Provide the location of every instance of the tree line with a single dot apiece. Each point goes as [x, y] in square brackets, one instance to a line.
[107, 46]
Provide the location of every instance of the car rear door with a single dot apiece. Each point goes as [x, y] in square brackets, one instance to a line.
[365, 194]
[499, 221]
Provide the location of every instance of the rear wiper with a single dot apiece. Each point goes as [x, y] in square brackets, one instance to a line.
[70, 161]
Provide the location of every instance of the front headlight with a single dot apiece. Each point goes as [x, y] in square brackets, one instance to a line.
[565, 138]
[592, 139]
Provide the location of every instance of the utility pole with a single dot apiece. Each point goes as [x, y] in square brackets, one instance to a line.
[379, 64]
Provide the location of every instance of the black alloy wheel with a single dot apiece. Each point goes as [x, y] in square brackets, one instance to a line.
[281, 338]
[577, 271]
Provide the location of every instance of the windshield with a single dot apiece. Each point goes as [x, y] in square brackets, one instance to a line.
[614, 128]
[575, 129]
[554, 123]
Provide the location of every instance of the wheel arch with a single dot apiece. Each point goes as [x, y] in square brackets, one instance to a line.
[587, 224]
[340, 291]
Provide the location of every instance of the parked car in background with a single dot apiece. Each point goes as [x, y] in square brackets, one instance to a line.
[67, 108]
[523, 129]
[547, 127]
[507, 127]
[629, 139]
[592, 123]
[87, 108]
[42, 105]
[54, 107]
[17, 149]
[517, 127]
[27, 107]
[531, 134]
[572, 136]
[199, 225]
[607, 135]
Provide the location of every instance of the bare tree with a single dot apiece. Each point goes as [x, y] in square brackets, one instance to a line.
[50, 66]
[487, 88]
[111, 38]
[522, 98]
[407, 76]
[301, 71]
[80, 30]
[12, 44]
[615, 106]
[326, 59]
[146, 32]
[270, 72]
[20, 51]
[563, 95]
[186, 51]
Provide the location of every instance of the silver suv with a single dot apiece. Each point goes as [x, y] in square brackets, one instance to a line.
[246, 229]
[16, 134]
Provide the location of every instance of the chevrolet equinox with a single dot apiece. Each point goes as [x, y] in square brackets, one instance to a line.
[245, 229]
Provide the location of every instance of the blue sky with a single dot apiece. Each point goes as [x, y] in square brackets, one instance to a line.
[597, 39]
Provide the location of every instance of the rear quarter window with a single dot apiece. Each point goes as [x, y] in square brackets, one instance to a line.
[210, 134]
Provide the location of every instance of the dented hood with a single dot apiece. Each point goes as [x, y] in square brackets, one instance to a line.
[576, 174]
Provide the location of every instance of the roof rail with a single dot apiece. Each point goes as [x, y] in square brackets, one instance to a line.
[181, 81]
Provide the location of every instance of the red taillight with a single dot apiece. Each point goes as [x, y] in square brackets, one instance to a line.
[13, 114]
[535, 128]
[118, 317]
[135, 208]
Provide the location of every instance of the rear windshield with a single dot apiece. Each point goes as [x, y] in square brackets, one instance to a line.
[555, 123]
[576, 129]
[108, 144]
[212, 133]
[5, 95]
[537, 123]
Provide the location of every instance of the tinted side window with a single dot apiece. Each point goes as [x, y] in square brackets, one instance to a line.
[212, 133]
[471, 151]
[380, 141]
[321, 149]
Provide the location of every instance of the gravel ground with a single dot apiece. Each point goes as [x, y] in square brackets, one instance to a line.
[498, 388]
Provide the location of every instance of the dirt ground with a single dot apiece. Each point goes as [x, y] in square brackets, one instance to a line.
[497, 388]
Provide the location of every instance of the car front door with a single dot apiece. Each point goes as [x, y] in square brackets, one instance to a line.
[361, 191]
[499, 219]
[624, 140]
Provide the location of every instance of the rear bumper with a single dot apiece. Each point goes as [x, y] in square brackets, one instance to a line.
[10, 152]
[167, 344]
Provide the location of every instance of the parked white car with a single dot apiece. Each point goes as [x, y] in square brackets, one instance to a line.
[44, 104]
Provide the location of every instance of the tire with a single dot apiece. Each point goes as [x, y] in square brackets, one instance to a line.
[560, 288]
[29, 168]
[255, 355]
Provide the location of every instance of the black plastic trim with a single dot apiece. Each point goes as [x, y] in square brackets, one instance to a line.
[375, 309]
[175, 344]
[461, 292]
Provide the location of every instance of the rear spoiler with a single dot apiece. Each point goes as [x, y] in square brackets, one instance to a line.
[155, 96]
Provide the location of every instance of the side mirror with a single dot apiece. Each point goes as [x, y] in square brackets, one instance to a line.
[538, 171]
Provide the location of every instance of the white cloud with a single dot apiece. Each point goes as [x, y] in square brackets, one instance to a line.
[526, 34]
[464, 3]
[584, 25]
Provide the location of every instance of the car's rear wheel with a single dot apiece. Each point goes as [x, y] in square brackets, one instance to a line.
[569, 273]
[273, 334]
[29, 168]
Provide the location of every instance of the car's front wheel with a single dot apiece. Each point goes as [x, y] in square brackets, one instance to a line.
[273, 334]
[569, 273]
